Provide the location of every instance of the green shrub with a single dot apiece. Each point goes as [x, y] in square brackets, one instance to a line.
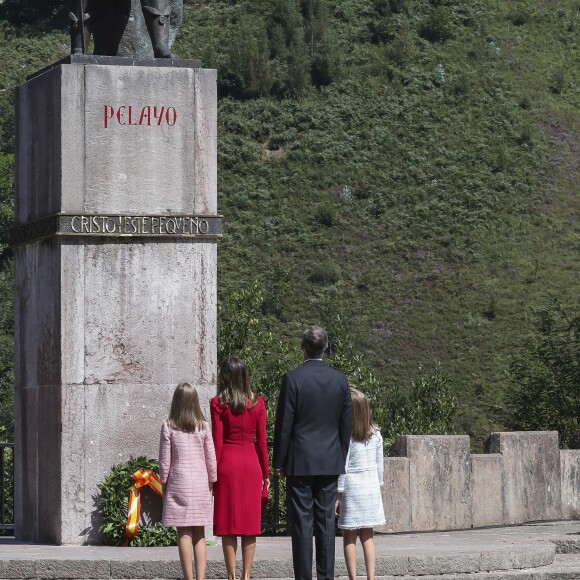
[438, 26]
[247, 74]
[317, 22]
[403, 46]
[327, 60]
[297, 76]
[461, 84]
[285, 18]
[8, 479]
[326, 214]
[518, 15]
[526, 102]
[545, 373]
[428, 409]
[7, 350]
[559, 81]
[326, 273]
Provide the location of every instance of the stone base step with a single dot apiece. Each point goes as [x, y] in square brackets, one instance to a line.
[564, 567]
[541, 551]
[141, 563]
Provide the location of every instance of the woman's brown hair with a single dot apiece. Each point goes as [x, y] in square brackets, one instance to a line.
[362, 419]
[234, 385]
[185, 414]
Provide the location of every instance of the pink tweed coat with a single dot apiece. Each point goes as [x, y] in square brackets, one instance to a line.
[187, 467]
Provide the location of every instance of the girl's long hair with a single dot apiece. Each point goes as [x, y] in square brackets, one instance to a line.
[234, 385]
[362, 419]
[185, 414]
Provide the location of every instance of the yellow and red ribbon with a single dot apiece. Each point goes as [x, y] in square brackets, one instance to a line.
[142, 478]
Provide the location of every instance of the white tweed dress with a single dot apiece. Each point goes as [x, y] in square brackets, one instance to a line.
[361, 503]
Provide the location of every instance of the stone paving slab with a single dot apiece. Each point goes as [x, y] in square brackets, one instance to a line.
[567, 544]
[522, 552]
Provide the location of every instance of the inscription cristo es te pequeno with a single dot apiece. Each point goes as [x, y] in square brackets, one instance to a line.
[139, 225]
[182, 226]
[147, 116]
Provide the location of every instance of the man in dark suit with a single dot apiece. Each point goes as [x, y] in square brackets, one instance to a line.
[311, 439]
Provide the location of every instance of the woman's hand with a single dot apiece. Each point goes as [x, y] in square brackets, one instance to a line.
[266, 483]
[337, 508]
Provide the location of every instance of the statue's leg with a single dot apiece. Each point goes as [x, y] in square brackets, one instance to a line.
[79, 33]
[157, 13]
[109, 19]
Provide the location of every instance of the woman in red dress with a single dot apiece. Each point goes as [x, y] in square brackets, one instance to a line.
[238, 422]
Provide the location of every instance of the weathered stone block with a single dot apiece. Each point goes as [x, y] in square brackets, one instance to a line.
[117, 139]
[542, 555]
[443, 564]
[391, 565]
[396, 494]
[495, 560]
[440, 480]
[146, 569]
[531, 471]
[487, 490]
[570, 469]
[77, 569]
[17, 569]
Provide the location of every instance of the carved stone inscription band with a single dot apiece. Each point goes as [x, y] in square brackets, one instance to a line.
[172, 226]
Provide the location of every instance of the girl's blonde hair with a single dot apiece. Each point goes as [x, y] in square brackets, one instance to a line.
[362, 419]
[185, 414]
[234, 385]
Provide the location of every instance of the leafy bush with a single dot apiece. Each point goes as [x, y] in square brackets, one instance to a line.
[559, 81]
[6, 198]
[328, 60]
[7, 350]
[545, 373]
[317, 22]
[7, 477]
[326, 273]
[438, 26]
[403, 47]
[247, 73]
[518, 15]
[428, 409]
[326, 214]
[242, 333]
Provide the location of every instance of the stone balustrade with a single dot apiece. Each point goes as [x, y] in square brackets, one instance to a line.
[433, 482]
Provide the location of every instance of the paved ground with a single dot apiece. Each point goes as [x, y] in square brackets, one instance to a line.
[530, 552]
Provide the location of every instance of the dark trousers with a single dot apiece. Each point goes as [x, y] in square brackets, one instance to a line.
[311, 501]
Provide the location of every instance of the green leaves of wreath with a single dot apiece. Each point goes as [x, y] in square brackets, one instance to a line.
[113, 505]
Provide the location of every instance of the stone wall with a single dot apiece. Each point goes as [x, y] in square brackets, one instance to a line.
[434, 483]
[570, 470]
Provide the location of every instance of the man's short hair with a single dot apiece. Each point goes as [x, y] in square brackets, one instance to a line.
[314, 341]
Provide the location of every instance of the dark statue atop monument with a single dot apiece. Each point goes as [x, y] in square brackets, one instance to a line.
[131, 28]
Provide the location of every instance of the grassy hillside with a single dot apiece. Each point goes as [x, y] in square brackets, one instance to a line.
[409, 166]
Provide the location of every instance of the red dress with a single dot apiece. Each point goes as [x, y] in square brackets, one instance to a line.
[240, 469]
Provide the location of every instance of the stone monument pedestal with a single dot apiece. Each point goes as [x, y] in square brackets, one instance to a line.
[115, 252]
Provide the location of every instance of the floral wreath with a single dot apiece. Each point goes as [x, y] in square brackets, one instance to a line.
[119, 505]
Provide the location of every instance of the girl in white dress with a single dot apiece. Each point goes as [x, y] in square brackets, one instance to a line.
[359, 505]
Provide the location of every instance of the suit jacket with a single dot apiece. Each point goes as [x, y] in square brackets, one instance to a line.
[313, 421]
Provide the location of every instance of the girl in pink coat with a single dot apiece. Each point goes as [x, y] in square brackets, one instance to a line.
[187, 469]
